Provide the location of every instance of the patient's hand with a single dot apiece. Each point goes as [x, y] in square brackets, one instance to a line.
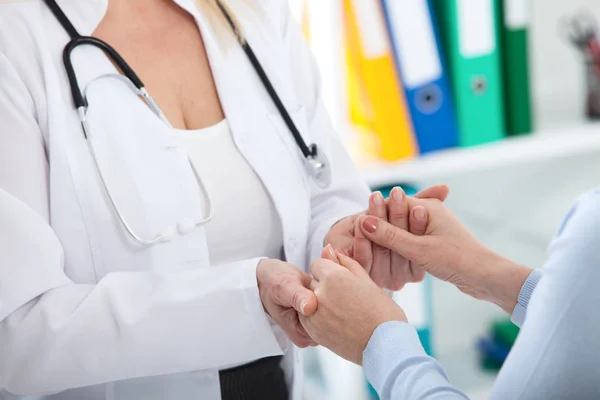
[387, 269]
[351, 306]
[448, 251]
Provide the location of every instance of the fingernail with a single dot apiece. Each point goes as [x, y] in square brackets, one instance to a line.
[303, 304]
[420, 214]
[397, 194]
[370, 224]
[377, 198]
[343, 252]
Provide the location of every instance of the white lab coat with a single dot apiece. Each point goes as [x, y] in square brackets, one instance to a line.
[85, 313]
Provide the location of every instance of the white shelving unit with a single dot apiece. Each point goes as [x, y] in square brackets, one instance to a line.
[542, 147]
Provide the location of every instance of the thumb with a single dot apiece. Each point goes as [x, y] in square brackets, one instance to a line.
[294, 294]
[398, 240]
[309, 304]
[439, 192]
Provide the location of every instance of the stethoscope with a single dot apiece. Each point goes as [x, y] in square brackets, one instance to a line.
[316, 163]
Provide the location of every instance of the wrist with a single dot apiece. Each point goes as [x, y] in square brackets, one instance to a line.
[391, 314]
[326, 238]
[261, 268]
[502, 281]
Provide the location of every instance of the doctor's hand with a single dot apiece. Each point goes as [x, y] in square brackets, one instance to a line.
[448, 251]
[285, 294]
[351, 307]
[389, 270]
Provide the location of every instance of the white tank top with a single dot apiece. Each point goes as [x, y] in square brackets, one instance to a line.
[245, 223]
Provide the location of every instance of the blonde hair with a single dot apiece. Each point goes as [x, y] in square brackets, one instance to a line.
[222, 17]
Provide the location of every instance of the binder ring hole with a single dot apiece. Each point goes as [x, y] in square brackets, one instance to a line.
[479, 85]
[429, 99]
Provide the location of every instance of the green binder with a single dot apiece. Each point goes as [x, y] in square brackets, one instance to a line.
[514, 34]
[469, 31]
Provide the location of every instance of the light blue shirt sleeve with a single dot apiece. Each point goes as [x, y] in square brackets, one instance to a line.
[557, 353]
[520, 312]
[397, 366]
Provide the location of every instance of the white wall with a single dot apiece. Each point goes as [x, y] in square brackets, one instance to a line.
[557, 70]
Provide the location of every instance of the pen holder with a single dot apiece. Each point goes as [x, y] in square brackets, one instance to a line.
[593, 87]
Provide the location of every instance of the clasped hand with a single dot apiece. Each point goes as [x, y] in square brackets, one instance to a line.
[341, 305]
[388, 269]
[351, 306]
[288, 294]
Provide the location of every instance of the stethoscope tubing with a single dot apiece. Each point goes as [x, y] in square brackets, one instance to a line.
[317, 164]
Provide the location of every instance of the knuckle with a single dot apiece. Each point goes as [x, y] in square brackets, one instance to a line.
[437, 203]
[379, 281]
[397, 284]
[325, 275]
[281, 286]
[389, 235]
[314, 266]
[421, 250]
[381, 251]
[303, 343]
[277, 290]
[398, 211]
[296, 297]
[418, 274]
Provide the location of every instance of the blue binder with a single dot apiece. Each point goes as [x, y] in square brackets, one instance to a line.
[417, 48]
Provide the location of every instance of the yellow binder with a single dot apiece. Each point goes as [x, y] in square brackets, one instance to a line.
[377, 106]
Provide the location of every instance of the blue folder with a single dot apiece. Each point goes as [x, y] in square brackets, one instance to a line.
[418, 54]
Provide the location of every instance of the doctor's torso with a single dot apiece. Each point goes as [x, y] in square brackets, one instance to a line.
[143, 163]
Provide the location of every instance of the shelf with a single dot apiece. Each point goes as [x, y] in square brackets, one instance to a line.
[540, 147]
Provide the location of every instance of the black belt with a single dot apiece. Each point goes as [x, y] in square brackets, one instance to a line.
[260, 380]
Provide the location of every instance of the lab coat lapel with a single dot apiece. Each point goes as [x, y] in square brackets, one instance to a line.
[249, 110]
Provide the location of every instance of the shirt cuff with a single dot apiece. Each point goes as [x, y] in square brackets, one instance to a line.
[391, 343]
[520, 312]
[277, 342]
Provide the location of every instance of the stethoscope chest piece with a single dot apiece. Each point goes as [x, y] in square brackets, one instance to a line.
[318, 168]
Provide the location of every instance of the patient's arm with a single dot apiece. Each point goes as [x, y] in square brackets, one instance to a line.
[448, 251]
[556, 355]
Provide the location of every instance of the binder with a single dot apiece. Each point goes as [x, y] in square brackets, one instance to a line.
[376, 98]
[417, 50]
[514, 34]
[469, 34]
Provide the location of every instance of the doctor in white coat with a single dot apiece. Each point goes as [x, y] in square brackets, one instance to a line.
[86, 311]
